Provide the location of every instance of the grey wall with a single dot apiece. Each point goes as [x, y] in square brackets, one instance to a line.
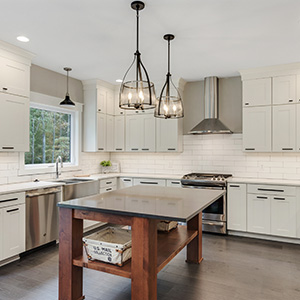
[230, 103]
[54, 84]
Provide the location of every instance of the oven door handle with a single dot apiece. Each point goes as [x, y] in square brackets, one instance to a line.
[212, 223]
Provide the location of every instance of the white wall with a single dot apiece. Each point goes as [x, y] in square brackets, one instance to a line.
[213, 153]
[9, 167]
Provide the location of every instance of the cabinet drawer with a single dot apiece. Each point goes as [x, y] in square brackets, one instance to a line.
[174, 183]
[108, 182]
[107, 189]
[12, 199]
[145, 181]
[124, 182]
[271, 189]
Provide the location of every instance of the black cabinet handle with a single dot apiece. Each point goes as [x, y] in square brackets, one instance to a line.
[8, 200]
[270, 190]
[108, 182]
[127, 180]
[287, 148]
[291, 100]
[247, 103]
[8, 148]
[277, 198]
[175, 182]
[100, 148]
[249, 148]
[171, 149]
[134, 149]
[233, 185]
[11, 210]
[109, 189]
[261, 197]
[145, 149]
[119, 149]
[148, 182]
[5, 89]
[99, 109]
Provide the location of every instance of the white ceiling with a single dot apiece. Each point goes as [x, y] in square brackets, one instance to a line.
[97, 38]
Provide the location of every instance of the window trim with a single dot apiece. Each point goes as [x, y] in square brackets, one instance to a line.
[42, 101]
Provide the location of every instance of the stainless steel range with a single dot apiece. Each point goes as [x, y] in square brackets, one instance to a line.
[214, 217]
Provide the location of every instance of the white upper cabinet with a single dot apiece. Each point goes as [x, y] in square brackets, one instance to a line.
[110, 132]
[133, 133]
[14, 77]
[101, 132]
[257, 129]
[117, 110]
[168, 135]
[284, 128]
[284, 89]
[148, 133]
[283, 216]
[257, 92]
[110, 102]
[237, 207]
[119, 133]
[298, 127]
[14, 123]
[101, 100]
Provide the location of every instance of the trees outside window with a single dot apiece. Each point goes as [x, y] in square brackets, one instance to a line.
[50, 136]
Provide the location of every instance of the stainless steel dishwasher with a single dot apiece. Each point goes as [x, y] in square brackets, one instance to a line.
[42, 216]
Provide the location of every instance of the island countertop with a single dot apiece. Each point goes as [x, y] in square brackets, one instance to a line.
[157, 202]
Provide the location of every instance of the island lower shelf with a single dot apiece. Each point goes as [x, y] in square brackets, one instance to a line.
[168, 246]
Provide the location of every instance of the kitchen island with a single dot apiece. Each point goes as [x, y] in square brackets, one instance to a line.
[140, 207]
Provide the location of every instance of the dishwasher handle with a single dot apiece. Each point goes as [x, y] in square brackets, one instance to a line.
[42, 192]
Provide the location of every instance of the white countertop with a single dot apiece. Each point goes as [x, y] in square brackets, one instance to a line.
[27, 186]
[136, 175]
[265, 181]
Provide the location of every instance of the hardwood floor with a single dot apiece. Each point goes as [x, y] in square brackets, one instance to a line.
[233, 268]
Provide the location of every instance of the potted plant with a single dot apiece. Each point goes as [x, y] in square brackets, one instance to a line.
[106, 164]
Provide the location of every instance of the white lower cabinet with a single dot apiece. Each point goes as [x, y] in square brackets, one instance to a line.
[283, 216]
[12, 225]
[124, 182]
[258, 214]
[237, 207]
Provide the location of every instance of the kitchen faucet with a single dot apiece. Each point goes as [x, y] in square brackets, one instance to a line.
[56, 164]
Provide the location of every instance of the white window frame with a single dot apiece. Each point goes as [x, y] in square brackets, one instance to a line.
[42, 101]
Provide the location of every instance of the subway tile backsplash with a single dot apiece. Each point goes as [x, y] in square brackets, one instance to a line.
[213, 153]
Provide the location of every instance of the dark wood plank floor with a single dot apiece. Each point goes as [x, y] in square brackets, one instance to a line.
[233, 268]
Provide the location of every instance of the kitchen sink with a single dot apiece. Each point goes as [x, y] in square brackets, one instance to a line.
[79, 187]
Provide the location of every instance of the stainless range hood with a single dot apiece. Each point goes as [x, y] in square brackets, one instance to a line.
[211, 123]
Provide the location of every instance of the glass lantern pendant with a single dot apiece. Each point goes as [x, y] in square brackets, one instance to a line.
[137, 93]
[169, 104]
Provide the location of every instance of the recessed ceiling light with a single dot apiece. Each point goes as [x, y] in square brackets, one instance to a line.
[23, 39]
[119, 80]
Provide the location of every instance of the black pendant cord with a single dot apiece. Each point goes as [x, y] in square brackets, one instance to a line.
[67, 82]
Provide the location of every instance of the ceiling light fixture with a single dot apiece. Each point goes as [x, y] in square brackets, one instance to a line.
[23, 39]
[67, 101]
[119, 80]
[139, 92]
[168, 106]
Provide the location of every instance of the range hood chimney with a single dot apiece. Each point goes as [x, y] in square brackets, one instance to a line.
[211, 123]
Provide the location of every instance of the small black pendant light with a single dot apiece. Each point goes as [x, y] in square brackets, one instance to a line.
[139, 92]
[67, 101]
[168, 106]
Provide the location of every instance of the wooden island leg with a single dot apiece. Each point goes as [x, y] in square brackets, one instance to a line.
[194, 248]
[144, 259]
[70, 246]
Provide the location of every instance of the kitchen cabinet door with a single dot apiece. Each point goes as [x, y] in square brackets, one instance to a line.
[14, 123]
[283, 216]
[117, 110]
[110, 102]
[133, 133]
[257, 92]
[148, 133]
[14, 77]
[101, 131]
[237, 207]
[174, 183]
[146, 181]
[119, 136]
[258, 214]
[124, 182]
[13, 237]
[284, 128]
[167, 135]
[110, 132]
[284, 89]
[101, 100]
[257, 129]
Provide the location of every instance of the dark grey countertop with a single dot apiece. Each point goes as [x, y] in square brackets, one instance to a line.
[167, 203]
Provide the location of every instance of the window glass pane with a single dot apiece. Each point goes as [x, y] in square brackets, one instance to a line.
[50, 136]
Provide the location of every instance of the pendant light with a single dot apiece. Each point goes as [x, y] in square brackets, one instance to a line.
[67, 101]
[138, 92]
[169, 104]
